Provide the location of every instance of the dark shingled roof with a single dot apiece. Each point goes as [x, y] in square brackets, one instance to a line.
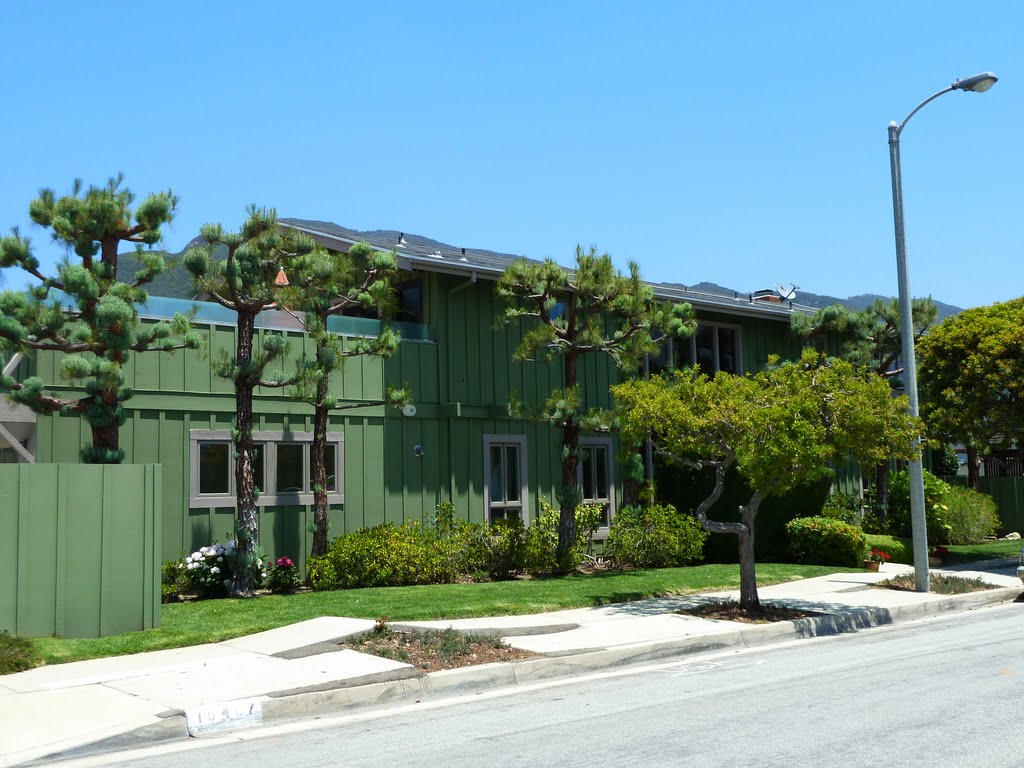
[419, 252]
[422, 253]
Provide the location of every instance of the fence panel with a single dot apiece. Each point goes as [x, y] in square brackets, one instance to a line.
[1008, 493]
[79, 549]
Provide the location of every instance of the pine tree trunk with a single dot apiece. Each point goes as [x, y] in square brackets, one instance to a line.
[317, 454]
[973, 475]
[748, 577]
[106, 444]
[569, 496]
[882, 490]
[246, 520]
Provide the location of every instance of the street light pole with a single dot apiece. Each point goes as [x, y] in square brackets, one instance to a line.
[977, 84]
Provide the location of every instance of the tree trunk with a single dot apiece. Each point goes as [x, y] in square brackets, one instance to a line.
[882, 490]
[569, 497]
[246, 520]
[106, 443]
[973, 462]
[317, 453]
[748, 578]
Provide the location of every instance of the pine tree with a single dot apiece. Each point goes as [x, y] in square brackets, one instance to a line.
[333, 284]
[84, 311]
[870, 338]
[590, 309]
[246, 282]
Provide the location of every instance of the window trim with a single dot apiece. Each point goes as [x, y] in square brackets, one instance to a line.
[691, 342]
[269, 440]
[608, 445]
[519, 441]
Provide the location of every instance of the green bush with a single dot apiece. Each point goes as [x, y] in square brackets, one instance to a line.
[654, 537]
[971, 516]
[505, 547]
[899, 550]
[935, 505]
[542, 538]
[16, 653]
[843, 506]
[383, 556]
[320, 573]
[172, 580]
[823, 541]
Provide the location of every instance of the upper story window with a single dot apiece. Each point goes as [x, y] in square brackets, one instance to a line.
[713, 347]
[282, 468]
[410, 301]
[505, 490]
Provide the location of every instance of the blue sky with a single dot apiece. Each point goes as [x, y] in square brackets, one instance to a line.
[740, 143]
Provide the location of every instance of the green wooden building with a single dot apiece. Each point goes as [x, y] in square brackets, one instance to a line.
[458, 444]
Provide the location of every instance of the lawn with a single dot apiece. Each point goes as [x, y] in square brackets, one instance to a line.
[210, 621]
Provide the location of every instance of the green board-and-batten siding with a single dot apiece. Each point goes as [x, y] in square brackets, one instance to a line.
[461, 371]
[80, 554]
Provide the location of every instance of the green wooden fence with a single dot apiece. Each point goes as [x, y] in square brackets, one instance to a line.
[1008, 494]
[79, 549]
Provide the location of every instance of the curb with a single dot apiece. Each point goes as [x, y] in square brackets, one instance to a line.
[409, 686]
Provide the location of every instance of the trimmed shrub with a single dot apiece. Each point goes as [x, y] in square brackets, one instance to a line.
[935, 505]
[542, 537]
[900, 550]
[16, 653]
[823, 541]
[172, 580]
[655, 537]
[383, 556]
[505, 545]
[320, 573]
[845, 507]
[971, 516]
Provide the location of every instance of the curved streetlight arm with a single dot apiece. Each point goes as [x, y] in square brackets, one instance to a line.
[899, 128]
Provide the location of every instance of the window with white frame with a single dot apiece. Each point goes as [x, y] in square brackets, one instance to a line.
[505, 494]
[282, 468]
[712, 348]
[595, 473]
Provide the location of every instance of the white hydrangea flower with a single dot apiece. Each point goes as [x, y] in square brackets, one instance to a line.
[214, 569]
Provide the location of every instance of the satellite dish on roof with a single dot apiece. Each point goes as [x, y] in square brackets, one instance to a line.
[784, 294]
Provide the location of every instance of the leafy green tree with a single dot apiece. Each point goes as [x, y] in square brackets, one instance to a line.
[870, 337]
[333, 284]
[778, 429]
[591, 309]
[83, 311]
[246, 282]
[972, 379]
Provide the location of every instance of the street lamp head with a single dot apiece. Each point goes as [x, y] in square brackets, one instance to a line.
[976, 83]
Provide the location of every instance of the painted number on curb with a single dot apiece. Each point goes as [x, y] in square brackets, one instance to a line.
[221, 717]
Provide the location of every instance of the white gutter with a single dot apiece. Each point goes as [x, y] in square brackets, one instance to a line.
[13, 363]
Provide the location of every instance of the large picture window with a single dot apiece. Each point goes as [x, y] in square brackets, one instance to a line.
[596, 475]
[713, 348]
[282, 468]
[505, 494]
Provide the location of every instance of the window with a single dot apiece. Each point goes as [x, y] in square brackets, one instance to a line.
[282, 468]
[410, 301]
[505, 493]
[713, 348]
[596, 475]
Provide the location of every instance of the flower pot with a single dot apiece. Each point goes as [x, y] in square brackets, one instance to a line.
[934, 562]
[871, 565]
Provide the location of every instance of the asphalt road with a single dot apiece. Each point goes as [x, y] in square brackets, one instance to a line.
[943, 692]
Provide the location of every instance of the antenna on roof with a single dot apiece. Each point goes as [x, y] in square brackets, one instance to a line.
[784, 294]
[401, 239]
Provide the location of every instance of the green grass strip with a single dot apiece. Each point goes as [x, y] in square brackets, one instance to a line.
[210, 621]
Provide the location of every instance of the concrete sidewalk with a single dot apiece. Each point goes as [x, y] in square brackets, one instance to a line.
[297, 672]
